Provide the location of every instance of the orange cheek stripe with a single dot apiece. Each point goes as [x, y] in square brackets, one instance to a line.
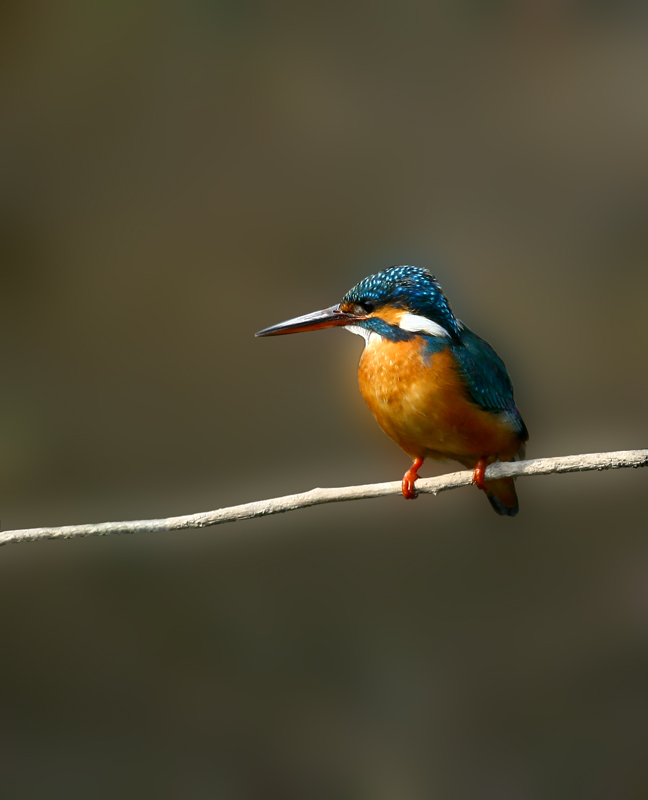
[389, 314]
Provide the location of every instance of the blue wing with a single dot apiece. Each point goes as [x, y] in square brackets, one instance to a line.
[486, 379]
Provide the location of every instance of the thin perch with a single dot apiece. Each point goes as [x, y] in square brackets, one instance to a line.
[314, 497]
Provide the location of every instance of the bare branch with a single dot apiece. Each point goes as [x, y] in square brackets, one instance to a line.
[314, 497]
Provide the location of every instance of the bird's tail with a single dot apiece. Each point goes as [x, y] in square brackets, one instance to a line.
[503, 497]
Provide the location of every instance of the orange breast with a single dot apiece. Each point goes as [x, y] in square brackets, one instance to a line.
[422, 404]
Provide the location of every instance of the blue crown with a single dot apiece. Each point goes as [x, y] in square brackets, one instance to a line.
[412, 288]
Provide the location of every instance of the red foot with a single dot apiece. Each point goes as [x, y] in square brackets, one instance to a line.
[409, 478]
[478, 474]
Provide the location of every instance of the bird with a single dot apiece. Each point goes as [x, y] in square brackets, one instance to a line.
[434, 386]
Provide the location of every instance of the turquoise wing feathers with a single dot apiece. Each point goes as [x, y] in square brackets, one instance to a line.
[486, 379]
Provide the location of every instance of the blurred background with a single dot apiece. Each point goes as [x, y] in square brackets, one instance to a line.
[178, 175]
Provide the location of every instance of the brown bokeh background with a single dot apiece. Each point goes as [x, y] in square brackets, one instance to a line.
[175, 176]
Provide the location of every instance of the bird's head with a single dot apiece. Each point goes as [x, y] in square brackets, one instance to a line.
[396, 304]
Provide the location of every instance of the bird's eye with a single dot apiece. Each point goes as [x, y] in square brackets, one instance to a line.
[367, 306]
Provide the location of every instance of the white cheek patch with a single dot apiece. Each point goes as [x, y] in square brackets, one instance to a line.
[417, 324]
[370, 337]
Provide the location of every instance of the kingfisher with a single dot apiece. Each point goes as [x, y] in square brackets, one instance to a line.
[435, 387]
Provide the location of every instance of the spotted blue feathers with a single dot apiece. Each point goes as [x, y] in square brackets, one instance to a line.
[412, 288]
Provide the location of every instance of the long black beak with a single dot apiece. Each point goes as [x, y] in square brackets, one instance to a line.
[327, 318]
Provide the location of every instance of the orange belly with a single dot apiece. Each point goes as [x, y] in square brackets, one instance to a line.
[422, 404]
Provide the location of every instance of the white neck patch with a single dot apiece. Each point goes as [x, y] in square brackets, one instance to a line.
[417, 324]
[370, 337]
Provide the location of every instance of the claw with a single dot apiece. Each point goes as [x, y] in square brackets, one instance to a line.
[478, 474]
[410, 478]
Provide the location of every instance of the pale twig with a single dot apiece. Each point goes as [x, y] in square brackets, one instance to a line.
[314, 497]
